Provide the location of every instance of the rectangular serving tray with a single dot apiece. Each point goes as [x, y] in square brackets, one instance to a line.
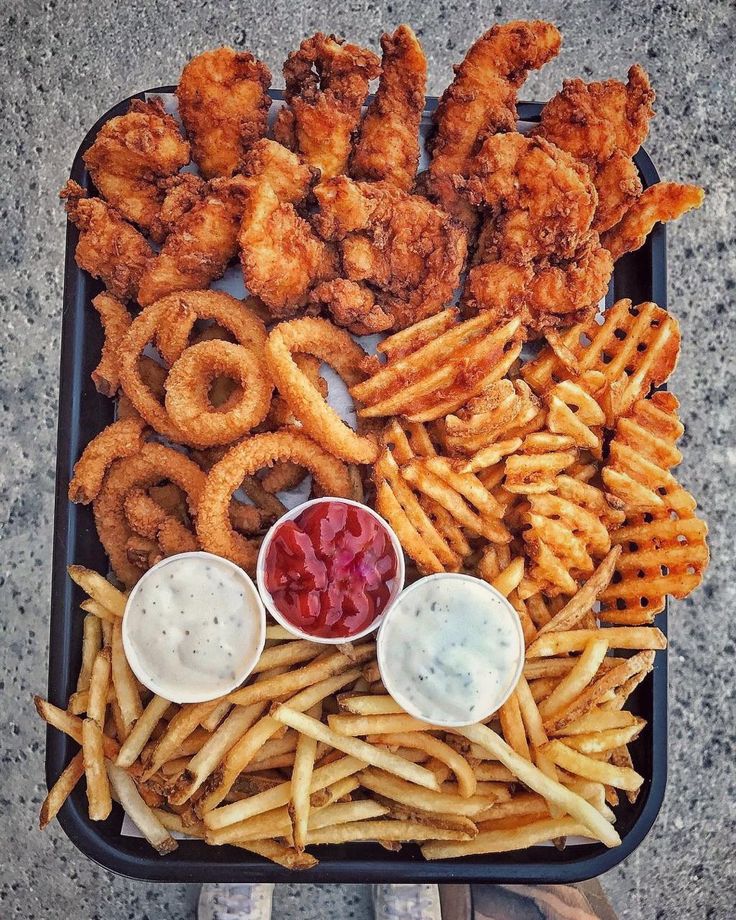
[83, 412]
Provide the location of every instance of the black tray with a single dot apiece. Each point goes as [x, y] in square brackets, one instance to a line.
[83, 412]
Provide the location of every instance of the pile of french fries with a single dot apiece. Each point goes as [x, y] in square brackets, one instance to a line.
[312, 750]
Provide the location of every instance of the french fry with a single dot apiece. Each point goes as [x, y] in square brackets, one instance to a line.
[383, 830]
[429, 800]
[98, 787]
[98, 588]
[282, 855]
[356, 748]
[608, 740]
[466, 778]
[71, 725]
[575, 640]
[62, 789]
[288, 654]
[178, 730]
[91, 645]
[512, 726]
[597, 720]
[502, 841]
[276, 822]
[583, 600]
[322, 777]
[554, 792]
[301, 779]
[214, 718]
[577, 679]
[589, 768]
[361, 705]
[99, 686]
[126, 688]
[141, 731]
[124, 790]
[279, 633]
[352, 725]
[95, 607]
[432, 819]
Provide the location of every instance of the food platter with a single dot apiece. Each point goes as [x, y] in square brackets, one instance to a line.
[82, 414]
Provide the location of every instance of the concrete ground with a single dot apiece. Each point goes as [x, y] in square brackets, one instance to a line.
[61, 65]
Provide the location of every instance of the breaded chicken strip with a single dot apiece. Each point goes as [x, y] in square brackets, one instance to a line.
[109, 248]
[603, 124]
[387, 147]
[409, 251]
[202, 237]
[352, 305]
[131, 154]
[664, 201]
[223, 102]
[481, 101]
[281, 255]
[326, 84]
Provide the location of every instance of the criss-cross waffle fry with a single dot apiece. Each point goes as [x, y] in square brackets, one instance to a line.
[506, 406]
[664, 548]
[642, 342]
[540, 459]
[572, 411]
[437, 375]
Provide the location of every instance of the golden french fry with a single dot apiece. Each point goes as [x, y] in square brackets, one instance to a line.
[98, 787]
[98, 588]
[502, 841]
[70, 724]
[597, 720]
[139, 813]
[589, 768]
[141, 731]
[512, 726]
[279, 853]
[347, 724]
[287, 654]
[356, 748]
[575, 640]
[361, 705]
[383, 830]
[91, 645]
[99, 686]
[466, 778]
[608, 740]
[126, 688]
[583, 599]
[577, 679]
[95, 607]
[301, 779]
[429, 800]
[62, 789]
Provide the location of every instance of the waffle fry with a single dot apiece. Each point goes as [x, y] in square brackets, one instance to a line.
[642, 342]
[573, 412]
[542, 457]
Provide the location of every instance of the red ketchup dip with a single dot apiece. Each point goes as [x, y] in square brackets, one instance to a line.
[331, 570]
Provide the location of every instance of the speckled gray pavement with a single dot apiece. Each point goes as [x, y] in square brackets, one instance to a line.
[61, 65]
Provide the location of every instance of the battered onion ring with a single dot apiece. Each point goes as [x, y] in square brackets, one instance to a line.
[214, 529]
[320, 338]
[232, 315]
[153, 464]
[120, 439]
[147, 518]
[188, 386]
[169, 323]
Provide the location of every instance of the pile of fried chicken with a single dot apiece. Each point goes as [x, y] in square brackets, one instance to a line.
[328, 215]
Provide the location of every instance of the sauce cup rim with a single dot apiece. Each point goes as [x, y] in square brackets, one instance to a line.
[266, 594]
[385, 671]
[257, 610]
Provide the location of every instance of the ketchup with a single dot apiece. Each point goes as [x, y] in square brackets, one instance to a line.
[329, 570]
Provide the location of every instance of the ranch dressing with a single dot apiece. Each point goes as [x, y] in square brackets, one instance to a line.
[194, 627]
[451, 649]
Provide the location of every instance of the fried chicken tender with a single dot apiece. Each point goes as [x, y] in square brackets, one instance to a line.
[538, 200]
[204, 220]
[281, 255]
[223, 102]
[352, 305]
[387, 147]
[326, 84]
[109, 248]
[603, 124]
[409, 251]
[131, 154]
[537, 256]
[662, 202]
[481, 101]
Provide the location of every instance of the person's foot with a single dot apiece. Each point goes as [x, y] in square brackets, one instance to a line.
[406, 902]
[235, 902]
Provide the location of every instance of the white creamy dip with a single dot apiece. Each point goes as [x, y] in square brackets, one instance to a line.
[451, 649]
[194, 627]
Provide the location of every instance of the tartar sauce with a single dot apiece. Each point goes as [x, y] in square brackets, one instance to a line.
[194, 627]
[451, 649]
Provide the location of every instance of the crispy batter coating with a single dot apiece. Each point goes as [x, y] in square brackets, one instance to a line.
[352, 305]
[115, 321]
[109, 248]
[408, 250]
[661, 202]
[131, 153]
[120, 439]
[387, 147]
[481, 101]
[201, 242]
[281, 255]
[223, 102]
[538, 200]
[603, 124]
[326, 84]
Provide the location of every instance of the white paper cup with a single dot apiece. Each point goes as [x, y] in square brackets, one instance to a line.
[255, 610]
[398, 579]
[388, 670]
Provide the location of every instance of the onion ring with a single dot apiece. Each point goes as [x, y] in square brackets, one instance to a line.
[320, 338]
[148, 519]
[214, 529]
[188, 386]
[123, 438]
[151, 465]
